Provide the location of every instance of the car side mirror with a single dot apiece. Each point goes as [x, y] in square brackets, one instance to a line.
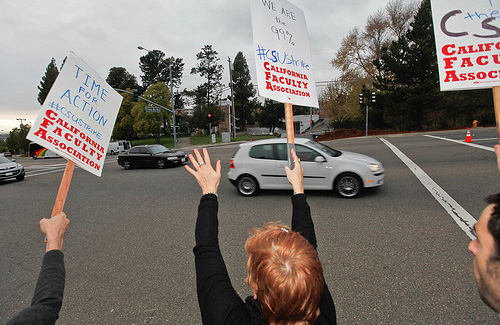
[319, 159]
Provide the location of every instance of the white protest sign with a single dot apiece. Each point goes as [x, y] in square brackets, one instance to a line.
[282, 53]
[467, 42]
[77, 118]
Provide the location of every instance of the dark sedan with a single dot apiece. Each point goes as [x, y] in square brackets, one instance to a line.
[154, 155]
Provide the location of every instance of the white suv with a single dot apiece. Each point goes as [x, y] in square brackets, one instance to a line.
[261, 165]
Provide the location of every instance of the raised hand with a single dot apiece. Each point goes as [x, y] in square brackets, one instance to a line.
[205, 175]
[295, 176]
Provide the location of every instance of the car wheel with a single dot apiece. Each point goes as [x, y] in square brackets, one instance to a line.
[20, 177]
[161, 163]
[348, 185]
[126, 164]
[247, 185]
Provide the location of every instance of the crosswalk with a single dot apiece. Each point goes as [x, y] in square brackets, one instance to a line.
[43, 169]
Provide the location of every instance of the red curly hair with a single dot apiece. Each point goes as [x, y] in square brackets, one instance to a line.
[285, 273]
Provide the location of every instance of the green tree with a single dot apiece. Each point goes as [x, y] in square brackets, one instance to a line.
[200, 116]
[209, 68]
[3, 146]
[243, 90]
[48, 79]
[16, 141]
[150, 123]
[124, 125]
[155, 68]
[119, 77]
[272, 115]
[410, 73]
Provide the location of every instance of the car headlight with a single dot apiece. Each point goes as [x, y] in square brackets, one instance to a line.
[374, 167]
[172, 158]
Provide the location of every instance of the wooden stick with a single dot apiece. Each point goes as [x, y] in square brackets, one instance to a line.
[496, 100]
[290, 137]
[63, 189]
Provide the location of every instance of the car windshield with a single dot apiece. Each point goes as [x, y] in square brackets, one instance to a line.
[324, 148]
[159, 149]
[4, 160]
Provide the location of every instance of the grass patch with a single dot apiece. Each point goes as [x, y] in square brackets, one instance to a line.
[199, 139]
[166, 141]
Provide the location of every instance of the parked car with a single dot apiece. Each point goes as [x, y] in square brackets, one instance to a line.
[7, 155]
[261, 165]
[151, 156]
[10, 169]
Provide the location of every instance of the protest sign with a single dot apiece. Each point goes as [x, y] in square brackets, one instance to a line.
[467, 36]
[282, 53]
[77, 118]
[468, 43]
[283, 59]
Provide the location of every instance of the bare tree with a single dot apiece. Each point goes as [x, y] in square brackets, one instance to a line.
[400, 14]
[359, 48]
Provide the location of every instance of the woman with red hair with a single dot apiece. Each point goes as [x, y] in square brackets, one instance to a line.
[284, 270]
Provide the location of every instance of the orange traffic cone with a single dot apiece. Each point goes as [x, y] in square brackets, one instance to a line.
[468, 137]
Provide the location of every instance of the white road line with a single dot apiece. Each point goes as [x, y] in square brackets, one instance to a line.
[486, 139]
[463, 218]
[36, 173]
[461, 142]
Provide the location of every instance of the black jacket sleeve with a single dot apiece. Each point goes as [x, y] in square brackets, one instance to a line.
[47, 300]
[303, 224]
[219, 302]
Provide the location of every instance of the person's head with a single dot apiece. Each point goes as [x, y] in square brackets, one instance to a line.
[285, 274]
[486, 250]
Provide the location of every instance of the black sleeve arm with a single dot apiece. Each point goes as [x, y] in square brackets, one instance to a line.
[303, 224]
[219, 302]
[47, 300]
[301, 218]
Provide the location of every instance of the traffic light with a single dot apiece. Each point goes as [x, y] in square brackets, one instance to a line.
[136, 95]
[373, 97]
[361, 98]
[209, 117]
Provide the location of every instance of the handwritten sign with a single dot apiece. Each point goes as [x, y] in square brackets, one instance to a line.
[77, 118]
[282, 53]
[468, 43]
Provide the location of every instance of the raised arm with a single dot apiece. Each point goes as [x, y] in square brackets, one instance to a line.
[49, 290]
[219, 302]
[303, 224]
[301, 214]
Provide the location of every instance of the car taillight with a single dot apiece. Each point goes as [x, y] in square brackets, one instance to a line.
[231, 164]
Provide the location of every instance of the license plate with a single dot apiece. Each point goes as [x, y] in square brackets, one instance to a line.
[9, 174]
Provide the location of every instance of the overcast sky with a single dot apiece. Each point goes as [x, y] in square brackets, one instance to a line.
[106, 34]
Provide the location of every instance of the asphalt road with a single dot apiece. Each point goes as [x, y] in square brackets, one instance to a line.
[391, 256]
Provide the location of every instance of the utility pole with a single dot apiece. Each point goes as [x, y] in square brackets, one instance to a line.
[21, 119]
[232, 99]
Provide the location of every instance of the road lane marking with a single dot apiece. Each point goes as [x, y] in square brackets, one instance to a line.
[463, 218]
[56, 170]
[461, 142]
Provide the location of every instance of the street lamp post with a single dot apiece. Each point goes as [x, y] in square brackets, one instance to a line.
[171, 95]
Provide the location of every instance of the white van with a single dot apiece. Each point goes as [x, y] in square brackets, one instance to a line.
[115, 147]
